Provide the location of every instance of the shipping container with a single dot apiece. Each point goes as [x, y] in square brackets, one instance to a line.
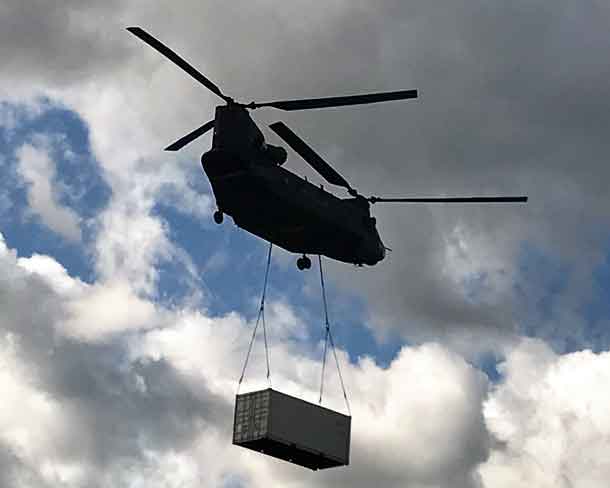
[291, 429]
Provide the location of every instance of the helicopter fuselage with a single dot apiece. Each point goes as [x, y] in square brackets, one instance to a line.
[279, 206]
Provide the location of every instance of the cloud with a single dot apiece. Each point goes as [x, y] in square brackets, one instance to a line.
[15, 473]
[76, 412]
[66, 43]
[402, 411]
[136, 407]
[36, 167]
[121, 411]
[159, 402]
[550, 419]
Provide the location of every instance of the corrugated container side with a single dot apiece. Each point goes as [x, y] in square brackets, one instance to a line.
[309, 426]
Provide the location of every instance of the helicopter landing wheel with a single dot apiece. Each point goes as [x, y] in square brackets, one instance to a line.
[303, 263]
[218, 216]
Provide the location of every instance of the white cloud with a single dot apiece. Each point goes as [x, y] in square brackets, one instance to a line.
[37, 169]
[32, 422]
[550, 416]
[104, 310]
[93, 312]
[189, 364]
[130, 243]
[428, 420]
[51, 271]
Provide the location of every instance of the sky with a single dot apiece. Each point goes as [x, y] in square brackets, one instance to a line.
[475, 355]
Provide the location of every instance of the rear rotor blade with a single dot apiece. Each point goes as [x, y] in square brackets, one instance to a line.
[451, 200]
[190, 137]
[172, 56]
[310, 103]
[309, 155]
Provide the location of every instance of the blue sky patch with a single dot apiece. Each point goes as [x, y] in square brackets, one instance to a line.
[77, 173]
[597, 310]
[541, 292]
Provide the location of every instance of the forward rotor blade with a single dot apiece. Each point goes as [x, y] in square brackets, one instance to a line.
[310, 103]
[309, 155]
[451, 200]
[172, 56]
[190, 137]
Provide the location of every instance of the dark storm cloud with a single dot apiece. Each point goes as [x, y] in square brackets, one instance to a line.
[58, 43]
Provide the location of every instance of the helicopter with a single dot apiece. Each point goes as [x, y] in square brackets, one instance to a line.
[265, 199]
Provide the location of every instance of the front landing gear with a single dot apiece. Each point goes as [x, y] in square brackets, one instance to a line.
[218, 216]
[303, 263]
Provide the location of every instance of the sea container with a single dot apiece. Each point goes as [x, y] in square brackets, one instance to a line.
[291, 429]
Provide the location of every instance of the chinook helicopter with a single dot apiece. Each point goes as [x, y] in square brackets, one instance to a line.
[250, 185]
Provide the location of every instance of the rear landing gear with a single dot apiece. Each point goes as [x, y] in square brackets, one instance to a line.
[218, 216]
[303, 263]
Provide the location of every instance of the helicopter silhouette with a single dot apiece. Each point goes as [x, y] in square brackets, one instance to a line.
[267, 200]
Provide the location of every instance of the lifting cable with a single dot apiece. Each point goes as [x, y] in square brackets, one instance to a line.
[329, 336]
[261, 315]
